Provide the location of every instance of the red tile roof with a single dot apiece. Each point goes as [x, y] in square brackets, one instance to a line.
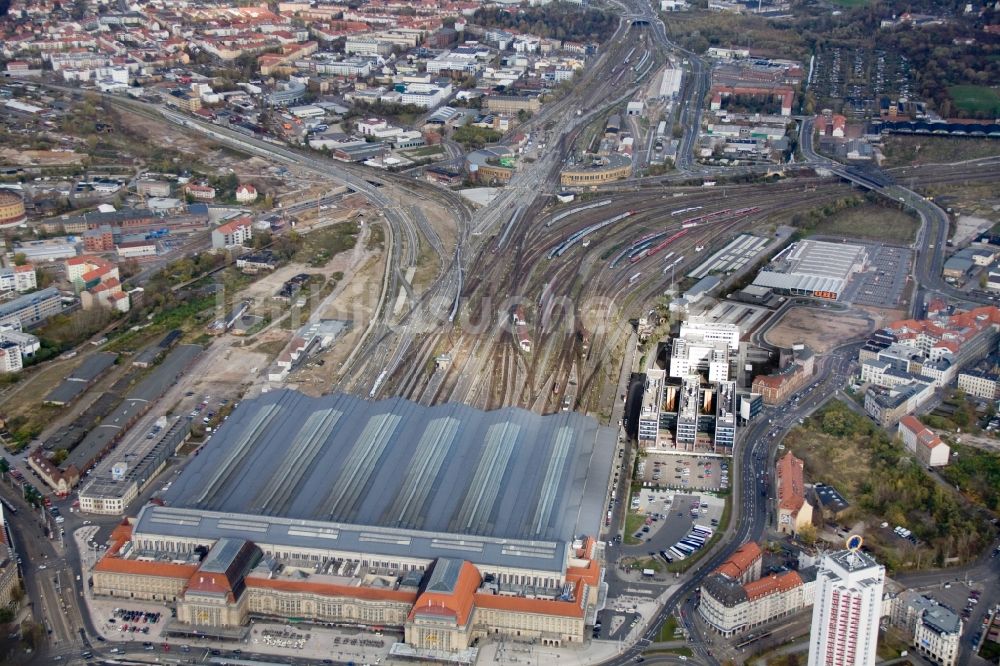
[113, 564]
[457, 604]
[791, 490]
[741, 561]
[533, 606]
[772, 584]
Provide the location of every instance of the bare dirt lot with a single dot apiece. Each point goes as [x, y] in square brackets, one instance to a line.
[821, 330]
[882, 316]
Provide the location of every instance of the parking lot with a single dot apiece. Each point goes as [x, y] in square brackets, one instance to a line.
[669, 518]
[883, 285]
[128, 619]
[614, 624]
[681, 471]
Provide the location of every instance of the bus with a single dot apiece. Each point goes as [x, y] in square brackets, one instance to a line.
[697, 535]
[678, 555]
[687, 550]
[691, 543]
[702, 530]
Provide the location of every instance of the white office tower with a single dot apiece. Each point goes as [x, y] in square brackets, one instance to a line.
[846, 609]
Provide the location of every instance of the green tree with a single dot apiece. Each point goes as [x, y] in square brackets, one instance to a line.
[20, 259]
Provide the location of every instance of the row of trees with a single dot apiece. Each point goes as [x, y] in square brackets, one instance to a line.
[558, 20]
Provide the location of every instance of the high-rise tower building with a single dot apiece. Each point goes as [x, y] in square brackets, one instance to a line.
[847, 608]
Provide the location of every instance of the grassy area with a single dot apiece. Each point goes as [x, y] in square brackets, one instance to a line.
[911, 150]
[667, 630]
[270, 348]
[376, 238]
[884, 483]
[633, 523]
[426, 151]
[890, 646]
[654, 563]
[186, 317]
[319, 246]
[976, 99]
[871, 221]
[685, 651]
[990, 651]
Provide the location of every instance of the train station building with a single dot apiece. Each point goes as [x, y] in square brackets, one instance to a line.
[445, 522]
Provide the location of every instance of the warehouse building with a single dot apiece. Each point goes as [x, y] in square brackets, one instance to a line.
[447, 522]
[813, 268]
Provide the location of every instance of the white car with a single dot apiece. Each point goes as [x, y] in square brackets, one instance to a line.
[42, 567]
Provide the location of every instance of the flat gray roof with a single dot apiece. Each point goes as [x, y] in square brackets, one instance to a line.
[150, 389]
[79, 380]
[21, 302]
[813, 266]
[93, 366]
[445, 470]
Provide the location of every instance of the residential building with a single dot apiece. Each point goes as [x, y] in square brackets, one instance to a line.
[923, 442]
[794, 510]
[101, 239]
[735, 598]
[200, 192]
[779, 386]
[888, 405]
[259, 261]
[98, 283]
[246, 193]
[235, 232]
[937, 635]
[27, 344]
[10, 358]
[847, 607]
[18, 278]
[9, 577]
[939, 347]
[31, 309]
[981, 382]
[934, 630]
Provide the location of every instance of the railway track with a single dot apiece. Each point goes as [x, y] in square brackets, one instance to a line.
[494, 372]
